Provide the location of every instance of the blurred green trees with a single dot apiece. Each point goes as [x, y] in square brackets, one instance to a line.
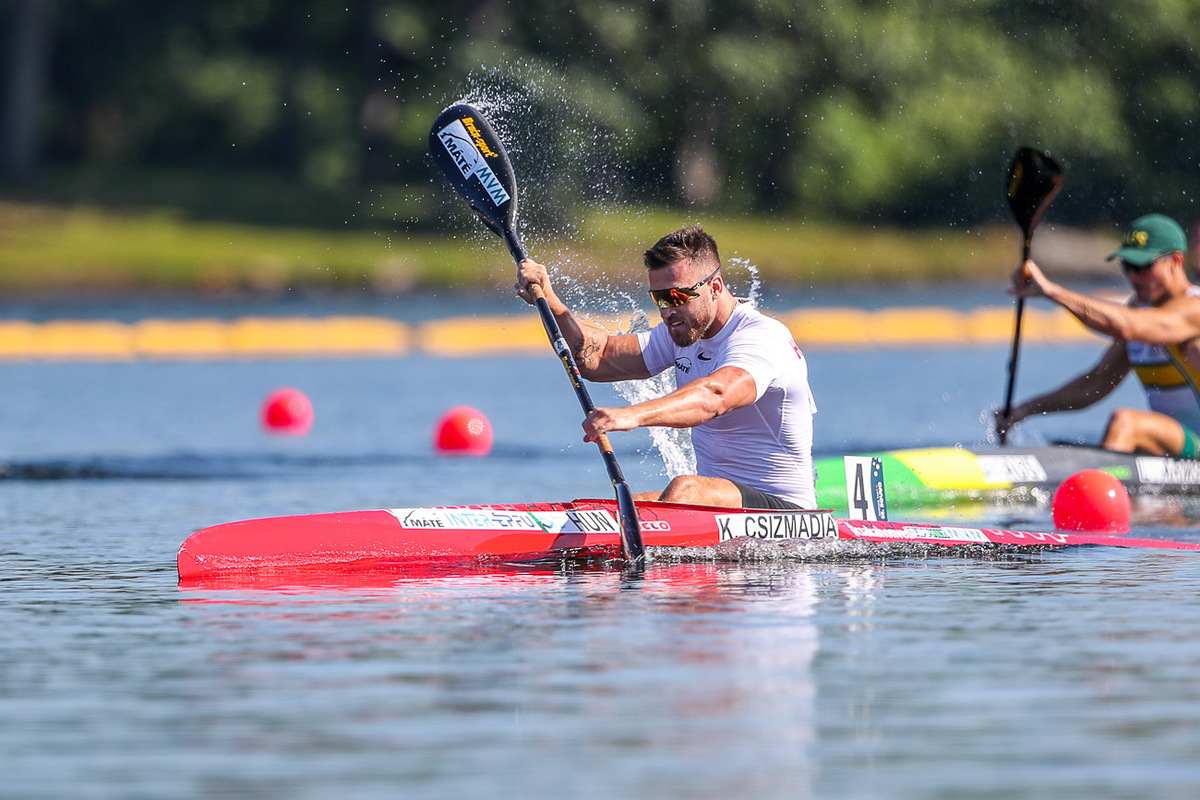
[900, 112]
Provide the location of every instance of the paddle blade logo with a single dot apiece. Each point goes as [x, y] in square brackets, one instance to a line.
[465, 153]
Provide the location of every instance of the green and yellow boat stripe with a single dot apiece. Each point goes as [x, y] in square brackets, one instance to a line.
[911, 476]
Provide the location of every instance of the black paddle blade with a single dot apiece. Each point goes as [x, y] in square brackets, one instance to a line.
[472, 157]
[631, 530]
[1033, 180]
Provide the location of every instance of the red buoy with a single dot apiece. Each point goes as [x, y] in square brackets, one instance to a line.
[1091, 501]
[287, 411]
[463, 431]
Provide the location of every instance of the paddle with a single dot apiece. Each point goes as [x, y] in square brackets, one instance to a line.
[473, 158]
[1033, 180]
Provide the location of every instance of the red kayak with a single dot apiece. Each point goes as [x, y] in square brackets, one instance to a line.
[401, 538]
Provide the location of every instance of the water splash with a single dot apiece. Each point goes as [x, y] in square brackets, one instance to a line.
[1018, 436]
[673, 445]
[836, 551]
[563, 156]
[733, 270]
[566, 162]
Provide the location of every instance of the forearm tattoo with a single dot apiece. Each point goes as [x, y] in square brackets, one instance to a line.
[588, 351]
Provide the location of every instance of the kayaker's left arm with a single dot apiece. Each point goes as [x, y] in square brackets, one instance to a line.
[1167, 321]
[690, 405]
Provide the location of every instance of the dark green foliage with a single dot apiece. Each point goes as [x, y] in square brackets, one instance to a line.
[902, 112]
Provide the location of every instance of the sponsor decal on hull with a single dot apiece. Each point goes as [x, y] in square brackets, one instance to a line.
[1012, 469]
[777, 525]
[470, 519]
[909, 532]
[1152, 469]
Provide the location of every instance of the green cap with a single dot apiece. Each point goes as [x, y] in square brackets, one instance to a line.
[1149, 237]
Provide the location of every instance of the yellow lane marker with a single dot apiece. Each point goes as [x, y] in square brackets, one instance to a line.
[182, 338]
[359, 337]
[479, 336]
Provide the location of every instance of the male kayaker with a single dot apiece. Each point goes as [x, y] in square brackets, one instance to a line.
[742, 382]
[1156, 334]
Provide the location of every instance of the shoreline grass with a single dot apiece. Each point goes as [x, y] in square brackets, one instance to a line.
[46, 247]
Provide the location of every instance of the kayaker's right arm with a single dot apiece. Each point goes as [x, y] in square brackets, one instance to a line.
[599, 356]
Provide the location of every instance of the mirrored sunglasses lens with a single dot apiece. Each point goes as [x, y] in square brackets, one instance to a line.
[671, 298]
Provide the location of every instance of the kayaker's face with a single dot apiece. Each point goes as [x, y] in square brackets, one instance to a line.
[687, 322]
[1147, 281]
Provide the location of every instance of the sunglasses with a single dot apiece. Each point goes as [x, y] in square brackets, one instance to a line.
[678, 295]
[1138, 269]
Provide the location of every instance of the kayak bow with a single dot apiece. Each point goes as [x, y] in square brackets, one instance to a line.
[936, 475]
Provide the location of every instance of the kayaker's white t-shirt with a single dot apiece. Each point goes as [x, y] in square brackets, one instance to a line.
[767, 444]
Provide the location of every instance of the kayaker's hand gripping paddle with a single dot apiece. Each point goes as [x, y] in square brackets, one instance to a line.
[473, 158]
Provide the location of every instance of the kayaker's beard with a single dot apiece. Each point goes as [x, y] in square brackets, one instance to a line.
[695, 326]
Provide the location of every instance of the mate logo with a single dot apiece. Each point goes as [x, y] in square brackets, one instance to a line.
[468, 151]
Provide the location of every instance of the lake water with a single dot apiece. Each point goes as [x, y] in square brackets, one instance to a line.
[1060, 674]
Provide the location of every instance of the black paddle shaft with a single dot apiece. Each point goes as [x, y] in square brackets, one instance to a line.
[471, 155]
[1034, 178]
[559, 344]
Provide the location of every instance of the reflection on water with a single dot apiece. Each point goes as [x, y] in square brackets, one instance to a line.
[541, 679]
[873, 672]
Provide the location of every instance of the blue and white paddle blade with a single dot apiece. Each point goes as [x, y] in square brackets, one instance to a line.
[471, 156]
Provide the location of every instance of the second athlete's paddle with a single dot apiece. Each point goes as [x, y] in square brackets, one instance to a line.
[473, 158]
[1033, 180]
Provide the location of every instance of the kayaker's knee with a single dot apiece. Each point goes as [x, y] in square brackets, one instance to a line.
[1132, 430]
[701, 491]
[683, 489]
[1121, 434]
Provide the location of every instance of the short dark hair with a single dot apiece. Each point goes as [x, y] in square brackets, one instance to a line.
[692, 244]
